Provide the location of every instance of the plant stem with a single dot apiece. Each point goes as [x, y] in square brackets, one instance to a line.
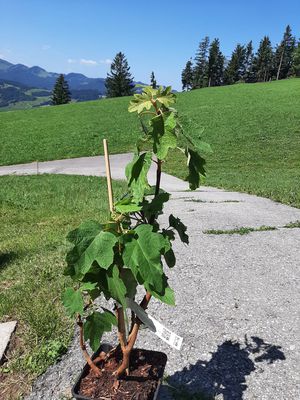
[84, 350]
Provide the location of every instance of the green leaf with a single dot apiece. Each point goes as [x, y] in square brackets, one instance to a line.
[166, 295]
[127, 206]
[142, 254]
[199, 144]
[164, 136]
[73, 301]
[115, 285]
[136, 173]
[81, 237]
[95, 325]
[129, 281]
[165, 96]
[179, 227]
[101, 250]
[196, 168]
[88, 286]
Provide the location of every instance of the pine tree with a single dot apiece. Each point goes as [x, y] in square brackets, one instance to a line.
[263, 62]
[153, 81]
[235, 69]
[296, 61]
[248, 73]
[187, 76]
[201, 63]
[60, 93]
[215, 67]
[284, 55]
[119, 82]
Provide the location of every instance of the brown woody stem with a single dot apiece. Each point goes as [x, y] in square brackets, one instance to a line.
[84, 350]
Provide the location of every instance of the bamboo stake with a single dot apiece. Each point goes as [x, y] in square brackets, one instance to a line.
[108, 176]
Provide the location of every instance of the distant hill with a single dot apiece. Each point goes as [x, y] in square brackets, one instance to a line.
[15, 95]
[39, 78]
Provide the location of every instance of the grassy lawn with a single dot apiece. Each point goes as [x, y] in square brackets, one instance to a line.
[35, 214]
[254, 130]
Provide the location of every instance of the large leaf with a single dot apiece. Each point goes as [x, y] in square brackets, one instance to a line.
[179, 227]
[73, 301]
[196, 168]
[95, 325]
[136, 173]
[101, 250]
[81, 238]
[164, 138]
[142, 254]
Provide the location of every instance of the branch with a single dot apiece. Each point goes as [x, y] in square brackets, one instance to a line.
[84, 350]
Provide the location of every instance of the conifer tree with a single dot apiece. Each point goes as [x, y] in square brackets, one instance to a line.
[215, 67]
[296, 61]
[201, 63]
[263, 62]
[153, 81]
[187, 77]
[119, 81]
[284, 55]
[234, 71]
[61, 93]
[248, 73]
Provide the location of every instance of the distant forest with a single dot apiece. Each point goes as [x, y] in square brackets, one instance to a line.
[211, 68]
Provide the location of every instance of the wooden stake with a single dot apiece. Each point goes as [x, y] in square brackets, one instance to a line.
[108, 176]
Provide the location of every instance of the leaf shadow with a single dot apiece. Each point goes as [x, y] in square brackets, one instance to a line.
[225, 373]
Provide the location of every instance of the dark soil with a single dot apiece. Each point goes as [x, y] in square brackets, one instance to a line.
[146, 368]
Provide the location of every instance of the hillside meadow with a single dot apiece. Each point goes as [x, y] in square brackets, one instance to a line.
[254, 130]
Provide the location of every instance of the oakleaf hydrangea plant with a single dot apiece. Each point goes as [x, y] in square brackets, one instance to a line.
[114, 257]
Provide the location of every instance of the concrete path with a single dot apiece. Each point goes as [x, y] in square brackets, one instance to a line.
[237, 296]
[89, 166]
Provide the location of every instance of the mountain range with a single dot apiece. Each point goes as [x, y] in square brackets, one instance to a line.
[38, 77]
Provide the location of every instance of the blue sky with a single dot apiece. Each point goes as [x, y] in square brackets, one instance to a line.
[84, 35]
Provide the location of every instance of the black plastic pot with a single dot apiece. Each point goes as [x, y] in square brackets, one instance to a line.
[106, 348]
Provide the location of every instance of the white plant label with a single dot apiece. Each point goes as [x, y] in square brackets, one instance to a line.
[155, 326]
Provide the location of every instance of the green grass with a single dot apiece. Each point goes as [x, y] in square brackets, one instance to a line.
[244, 230]
[295, 224]
[254, 130]
[35, 214]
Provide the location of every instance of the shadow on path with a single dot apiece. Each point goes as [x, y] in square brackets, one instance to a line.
[225, 373]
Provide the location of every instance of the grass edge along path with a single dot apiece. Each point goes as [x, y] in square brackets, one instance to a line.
[36, 212]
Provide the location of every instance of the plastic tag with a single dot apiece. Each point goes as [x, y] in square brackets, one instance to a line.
[155, 326]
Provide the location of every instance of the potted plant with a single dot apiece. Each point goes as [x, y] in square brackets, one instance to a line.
[113, 258]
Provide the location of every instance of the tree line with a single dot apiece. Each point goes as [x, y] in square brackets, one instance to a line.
[211, 68]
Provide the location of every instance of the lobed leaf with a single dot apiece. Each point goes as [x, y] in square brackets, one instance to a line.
[142, 254]
[95, 325]
[136, 174]
[73, 301]
[196, 168]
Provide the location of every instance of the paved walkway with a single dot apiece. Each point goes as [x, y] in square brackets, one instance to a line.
[237, 296]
